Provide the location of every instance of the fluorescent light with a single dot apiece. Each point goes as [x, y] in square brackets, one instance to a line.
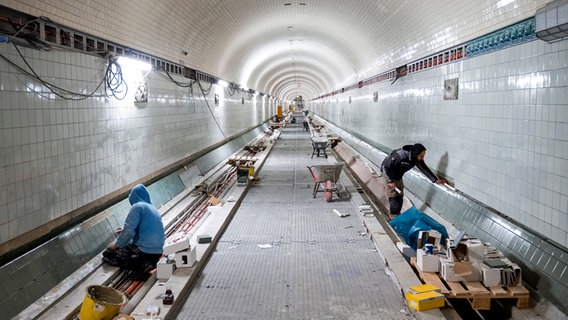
[503, 3]
[222, 83]
[133, 64]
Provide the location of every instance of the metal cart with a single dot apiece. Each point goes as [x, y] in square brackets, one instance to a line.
[328, 176]
[319, 146]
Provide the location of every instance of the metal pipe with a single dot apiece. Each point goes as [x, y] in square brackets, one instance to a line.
[139, 295]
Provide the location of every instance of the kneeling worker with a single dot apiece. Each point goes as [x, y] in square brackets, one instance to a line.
[140, 243]
[396, 165]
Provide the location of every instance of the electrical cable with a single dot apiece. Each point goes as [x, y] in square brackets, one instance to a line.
[58, 91]
[205, 93]
[29, 36]
[112, 79]
[169, 77]
[231, 90]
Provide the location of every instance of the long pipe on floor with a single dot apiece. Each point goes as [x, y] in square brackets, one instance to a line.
[138, 296]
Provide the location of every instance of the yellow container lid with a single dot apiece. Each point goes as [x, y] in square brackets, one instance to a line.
[423, 288]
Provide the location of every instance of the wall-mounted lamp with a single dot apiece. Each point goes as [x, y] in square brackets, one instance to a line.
[134, 72]
[133, 64]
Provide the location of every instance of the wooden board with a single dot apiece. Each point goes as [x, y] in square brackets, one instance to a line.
[457, 290]
[477, 289]
[518, 291]
[498, 291]
[433, 278]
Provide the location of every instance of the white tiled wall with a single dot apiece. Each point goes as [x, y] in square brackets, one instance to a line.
[504, 141]
[59, 155]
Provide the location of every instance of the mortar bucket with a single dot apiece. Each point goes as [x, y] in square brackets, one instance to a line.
[101, 303]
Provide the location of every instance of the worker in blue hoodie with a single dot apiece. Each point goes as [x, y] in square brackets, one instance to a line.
[140, 242]
[396, 165]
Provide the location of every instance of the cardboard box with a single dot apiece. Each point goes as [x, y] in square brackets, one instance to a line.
[165, 267]
[177, 242]
[425, 301]
[186, 258]
[427, 262]
[431, 236]
[213, 201]
[423, 288]
[457, 254]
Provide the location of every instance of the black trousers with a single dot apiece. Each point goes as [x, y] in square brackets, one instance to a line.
[395, 204]
[131, 258]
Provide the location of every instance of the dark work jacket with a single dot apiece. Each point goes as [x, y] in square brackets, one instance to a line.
[399, 162]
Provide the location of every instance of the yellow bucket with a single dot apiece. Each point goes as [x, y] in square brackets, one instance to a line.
[250, 170]
[101, 303]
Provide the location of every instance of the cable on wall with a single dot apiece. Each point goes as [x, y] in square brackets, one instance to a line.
[205, 93]
[42, 33]
[114, 83]
[232, 89]
[164, 74]
[27, 32]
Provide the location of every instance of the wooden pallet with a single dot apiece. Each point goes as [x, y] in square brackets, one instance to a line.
[478, 295]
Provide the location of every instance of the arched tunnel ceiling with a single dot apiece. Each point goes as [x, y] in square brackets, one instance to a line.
[285, 47]
[295, 48]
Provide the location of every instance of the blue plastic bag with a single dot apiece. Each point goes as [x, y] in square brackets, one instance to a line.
[409, 224]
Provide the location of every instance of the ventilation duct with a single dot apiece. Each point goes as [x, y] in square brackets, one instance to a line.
[552, 21]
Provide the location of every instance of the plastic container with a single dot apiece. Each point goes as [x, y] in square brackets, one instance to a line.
[101, 303]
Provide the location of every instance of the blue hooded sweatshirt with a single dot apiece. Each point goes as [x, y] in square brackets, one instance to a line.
[143, 225]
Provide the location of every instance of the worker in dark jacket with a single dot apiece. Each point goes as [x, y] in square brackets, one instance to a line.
[140, 243]
[396, 165]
